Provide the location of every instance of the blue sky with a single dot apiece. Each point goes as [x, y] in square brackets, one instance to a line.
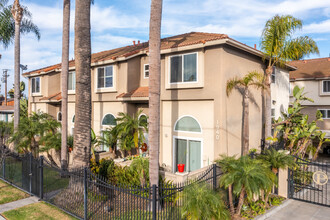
[117, 23]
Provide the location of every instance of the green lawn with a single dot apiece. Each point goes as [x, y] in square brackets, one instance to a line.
[37, 211]
[9, 193]
[53, 180]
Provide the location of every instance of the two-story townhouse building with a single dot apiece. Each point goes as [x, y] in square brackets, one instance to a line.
[314, 75]
[198, 121]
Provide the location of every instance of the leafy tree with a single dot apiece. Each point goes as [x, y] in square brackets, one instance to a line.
[108, 138]
[296, 129]
[279, 46]
[201, 202]
[130, 130]
[6, 129]
[244, 177]
[252, 79]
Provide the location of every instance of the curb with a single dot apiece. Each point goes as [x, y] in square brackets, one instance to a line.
[273, 210]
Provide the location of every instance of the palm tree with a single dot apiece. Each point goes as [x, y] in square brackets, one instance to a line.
[17, 12]
[65, 71]
[246, 177]
[82, 51]
[252, 79]
[7, 24]
[154, 88]
[201, 202]
[130, 130]
[279, 47]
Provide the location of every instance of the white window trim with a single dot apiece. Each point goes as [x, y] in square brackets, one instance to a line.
[36, 93]
[189, 139]
[140, 117]
[328, 116]
[144, 71]
[188, 132]
[323, 92]
[107, 126]
[114, 80]
[72, 91]
[58, 115]
[169, 69]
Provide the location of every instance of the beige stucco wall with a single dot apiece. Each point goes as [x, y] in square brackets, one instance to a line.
[202, 111]
[311, 112]
[313, 89]
[280, 92]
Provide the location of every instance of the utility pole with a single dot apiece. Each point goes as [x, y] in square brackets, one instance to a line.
[5, 75]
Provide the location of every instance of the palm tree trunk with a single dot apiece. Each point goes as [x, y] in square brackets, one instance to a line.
[65, 71]
[240, 202]
[154, 88]
[82, 51]
[17, 13]
[246, 131]
[268, 104]
[230, 197]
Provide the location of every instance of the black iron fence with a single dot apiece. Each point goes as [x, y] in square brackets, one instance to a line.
[85, 195]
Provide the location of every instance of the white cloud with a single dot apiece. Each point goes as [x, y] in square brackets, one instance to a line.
[321, 27]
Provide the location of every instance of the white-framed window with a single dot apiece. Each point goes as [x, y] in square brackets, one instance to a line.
[325, 113]
[187, 124]
[143, 118]
[187, 151]
[183, 68]
[105, 77]
[72, 81]
[109, 120]
[272, 114]
[146, 70]
[59, 116]
[326, 86]
[35, 85]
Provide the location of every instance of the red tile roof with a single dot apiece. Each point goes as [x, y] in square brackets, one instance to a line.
[54, 97]
[139, 92]
[167, 43]
[310, 69]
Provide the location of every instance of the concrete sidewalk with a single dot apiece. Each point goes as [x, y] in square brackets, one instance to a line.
[294, 209]
[17, 204]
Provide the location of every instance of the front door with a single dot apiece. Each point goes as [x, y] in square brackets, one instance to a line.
[189, 153]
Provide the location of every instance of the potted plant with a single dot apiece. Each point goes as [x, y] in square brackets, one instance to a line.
[181, 167]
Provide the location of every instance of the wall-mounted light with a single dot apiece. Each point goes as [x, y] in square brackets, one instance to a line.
[274, 102]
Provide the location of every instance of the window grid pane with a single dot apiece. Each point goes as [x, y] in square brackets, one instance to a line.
[109, 119]
[190, 68]
[72, 81]
[181, 153]
[100, 78]
[187, 124]
[176, 69]
[326, 86]
[33, 82]
[146, 70]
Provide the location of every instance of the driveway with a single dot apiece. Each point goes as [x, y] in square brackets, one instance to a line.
[294, 209]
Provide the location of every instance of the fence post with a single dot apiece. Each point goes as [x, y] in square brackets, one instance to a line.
[214, 176]
[85, 194]
[154, 202]
[41, 176]
[30, 172]
[4, 168]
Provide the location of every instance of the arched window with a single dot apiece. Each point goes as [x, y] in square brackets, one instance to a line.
[73, 118]
[109, 120]
[188, 124]
[59, 116]
[143, 120]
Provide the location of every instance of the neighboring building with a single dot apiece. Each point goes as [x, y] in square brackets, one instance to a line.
[314, 75]
[6, 112]
[198, 121]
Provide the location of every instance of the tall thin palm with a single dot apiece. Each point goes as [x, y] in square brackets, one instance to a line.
[279, 47]
[82, 51]
[154, 88]
[252, 79]
[65, 71]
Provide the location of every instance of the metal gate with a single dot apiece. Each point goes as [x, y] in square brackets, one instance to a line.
[309, 182]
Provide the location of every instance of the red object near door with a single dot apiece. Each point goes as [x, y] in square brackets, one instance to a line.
[181, 168]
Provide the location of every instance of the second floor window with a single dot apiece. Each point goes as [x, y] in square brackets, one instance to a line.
[105, 77]
[35, 85]
[146, 70]
[72, 81]
[183, 68]
[325, 113]
[326, 86]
